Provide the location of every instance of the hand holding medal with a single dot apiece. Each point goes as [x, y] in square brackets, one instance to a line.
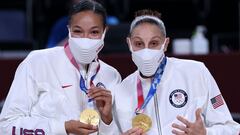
[103, 100]
[90, 116]
[101, 97]
[77, 127]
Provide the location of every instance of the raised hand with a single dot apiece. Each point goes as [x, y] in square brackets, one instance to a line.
[189, 128]
[103, 100]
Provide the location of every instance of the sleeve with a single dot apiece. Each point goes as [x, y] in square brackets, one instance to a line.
[16, 117]
[110, 129]
[218, 119]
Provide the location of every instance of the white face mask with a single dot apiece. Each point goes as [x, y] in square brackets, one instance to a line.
[147, 60]
[85, 50]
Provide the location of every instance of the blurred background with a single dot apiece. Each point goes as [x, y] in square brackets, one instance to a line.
[204, 30]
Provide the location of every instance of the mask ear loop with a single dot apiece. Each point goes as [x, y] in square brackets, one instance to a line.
[103, 35]
[163, 45]
[69, 32]
[100, 48]
[162, 49]
[130, 45]
[102, 38]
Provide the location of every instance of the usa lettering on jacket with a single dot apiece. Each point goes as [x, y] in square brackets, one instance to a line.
[28, 131]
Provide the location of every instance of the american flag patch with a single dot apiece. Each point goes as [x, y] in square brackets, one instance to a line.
[217, 101]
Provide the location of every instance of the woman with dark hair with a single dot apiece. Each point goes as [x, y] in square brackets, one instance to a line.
[54, 88]
[165, 95]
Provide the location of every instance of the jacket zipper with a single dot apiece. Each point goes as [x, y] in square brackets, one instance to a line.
[157, 114]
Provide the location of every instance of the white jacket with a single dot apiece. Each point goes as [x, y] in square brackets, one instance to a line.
[195, 87]
[45, 93]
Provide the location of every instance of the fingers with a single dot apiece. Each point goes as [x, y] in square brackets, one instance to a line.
[86, 131]
[86, 126]
[96, 92]
[184, 121]
[99, 94]
[180, 127]
[134, 131]
[189, 127]
[140, 132]
[198, 114]
[178, 132]
[77, 127]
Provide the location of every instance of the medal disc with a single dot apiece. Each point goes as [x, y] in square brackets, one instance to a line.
[142, 121]
[90, 116]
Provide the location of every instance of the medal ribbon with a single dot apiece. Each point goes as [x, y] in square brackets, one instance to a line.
[82, 81]
[156, 80]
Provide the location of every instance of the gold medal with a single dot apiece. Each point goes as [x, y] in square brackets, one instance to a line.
[90, 116]
[142, 121]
